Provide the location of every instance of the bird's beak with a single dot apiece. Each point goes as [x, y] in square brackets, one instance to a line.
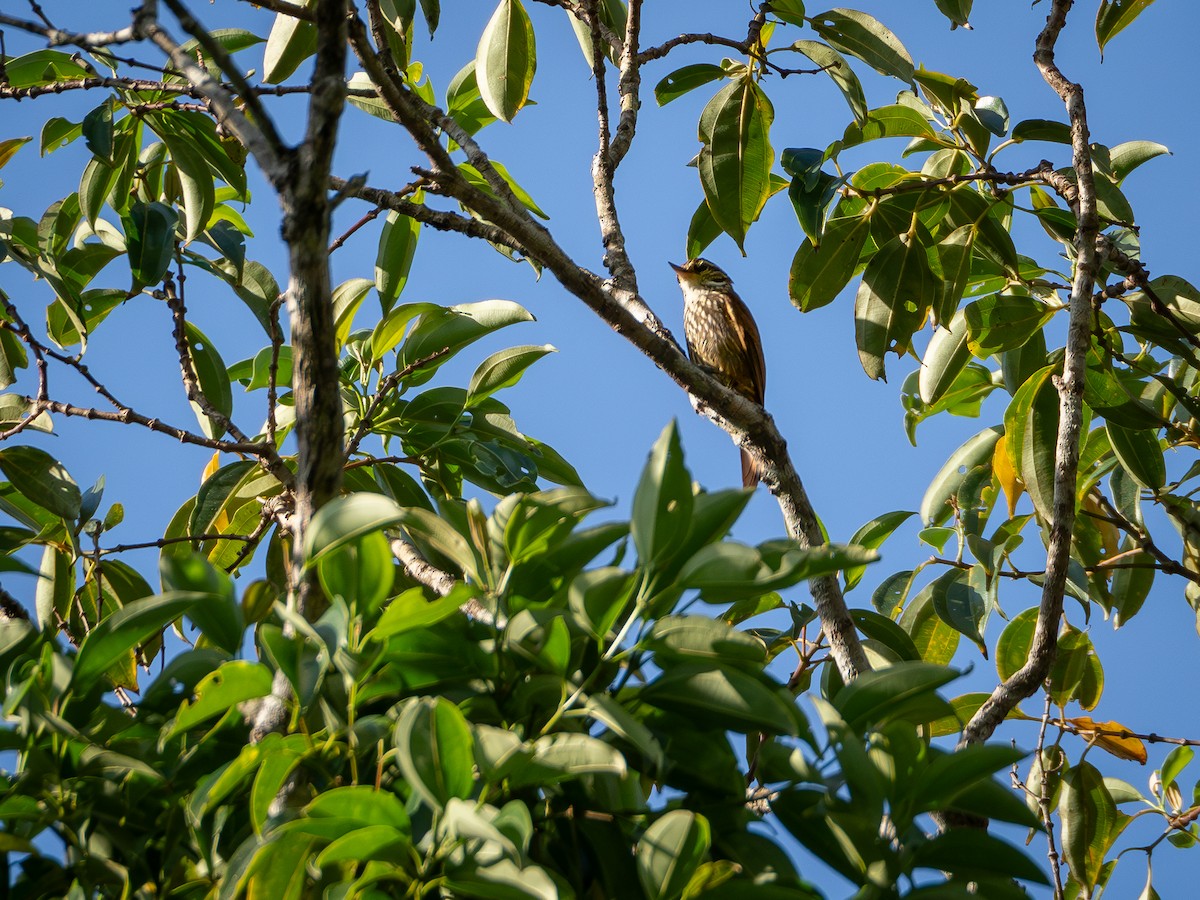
[679, 270]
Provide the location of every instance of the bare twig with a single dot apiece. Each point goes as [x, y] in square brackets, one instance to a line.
[1045, 809]
[426, 215]
[629, 83]
[165, 542]
[616, 260]
[386, 385]
[295, 10]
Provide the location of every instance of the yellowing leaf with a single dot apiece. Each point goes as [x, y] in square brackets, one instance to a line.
[1112, 737]
[1006, 473]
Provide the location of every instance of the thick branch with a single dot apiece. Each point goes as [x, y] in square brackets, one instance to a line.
[1030, 676]
[306, 228]
[419, 569]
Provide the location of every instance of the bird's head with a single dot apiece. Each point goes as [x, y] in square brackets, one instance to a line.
[700, 272]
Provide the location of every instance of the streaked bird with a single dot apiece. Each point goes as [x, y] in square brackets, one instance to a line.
[721, 336]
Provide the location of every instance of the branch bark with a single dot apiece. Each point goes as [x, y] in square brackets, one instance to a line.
[1024, 682]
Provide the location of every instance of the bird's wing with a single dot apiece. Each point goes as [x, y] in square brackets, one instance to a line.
[751, 342]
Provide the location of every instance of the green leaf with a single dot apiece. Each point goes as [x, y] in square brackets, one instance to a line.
[449, 330]
[361, 572]
[97, 132]
[892, 302]
[1126, 157]
[662, 504]
[872, 535]
[975, 855]
[381, 843]
[432, 11]
[959, 603]
[218, 615]
[684, 638]
[836, 67]
[347, 298]
[729, 571]
[969, 207]
[118, 634]
[891, 593]
[670, 851]
[905, 691]
[867, 38]
[736, 157]
[621, 722]
[464, 102]
[944, 360]
[956, 11]
[1003, 322]
[344, 519]
[503, 369]
[435, 750]
[260, 371]
[1089, 816]
[290, 43]
[1139, 453]
[555, 758]
[1114, 16]
[213, 378]
[789, 11]
[934, 639]
[220, 691]
[55, 588]
[820, 272]
[505, 60]
[410, 611]
[43, 67]
[195, 179]
[57, 133]
[975, 451]
[1041, 130]
[887, 122]
[397, 245]
[1031, 426]
[881, 629]
[955, 256]
[1131, 586]
[361, 804]
[150, 236]
[723, 697]
[681, 81]
[8, 148]
[42, 479]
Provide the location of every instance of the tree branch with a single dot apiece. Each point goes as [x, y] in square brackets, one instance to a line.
[629, 315]
[1030, 676]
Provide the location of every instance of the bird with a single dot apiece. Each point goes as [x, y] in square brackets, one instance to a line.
[722, 337]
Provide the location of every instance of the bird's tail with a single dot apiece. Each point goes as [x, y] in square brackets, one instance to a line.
[749, 471]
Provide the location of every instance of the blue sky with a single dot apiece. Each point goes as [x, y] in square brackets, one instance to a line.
[601, 403]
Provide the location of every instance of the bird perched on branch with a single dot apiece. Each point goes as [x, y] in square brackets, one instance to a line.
[721, 336]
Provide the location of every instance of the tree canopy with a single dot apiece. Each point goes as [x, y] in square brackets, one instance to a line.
[385, 641]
